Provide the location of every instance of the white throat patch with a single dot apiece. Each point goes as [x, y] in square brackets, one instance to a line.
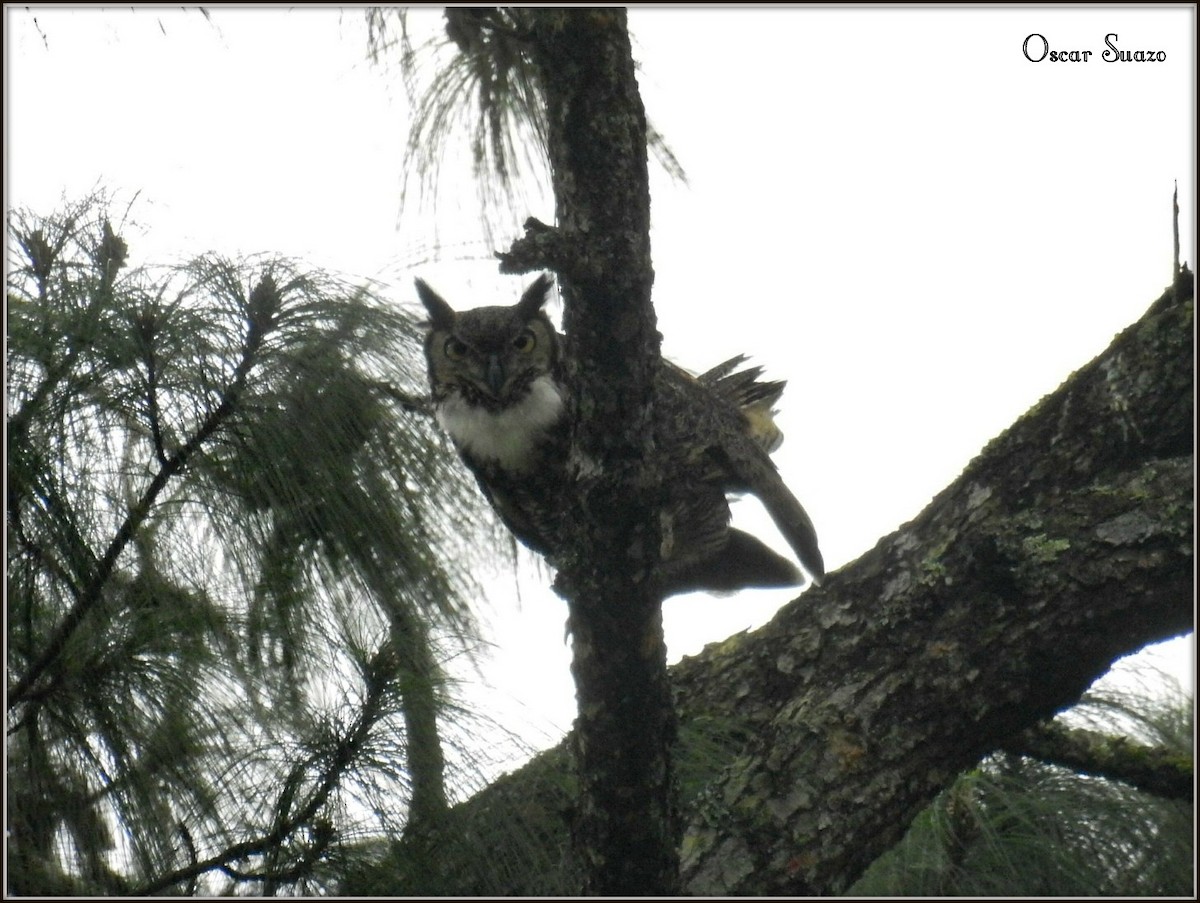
[507, 437]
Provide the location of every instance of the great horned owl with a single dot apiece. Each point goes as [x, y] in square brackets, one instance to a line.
[500, 392]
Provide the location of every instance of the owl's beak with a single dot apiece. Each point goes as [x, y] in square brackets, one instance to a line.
[494, 374]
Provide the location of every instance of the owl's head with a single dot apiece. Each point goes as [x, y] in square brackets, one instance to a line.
[490, 357]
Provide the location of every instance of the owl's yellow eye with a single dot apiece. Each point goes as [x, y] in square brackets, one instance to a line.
[525, 342]
[455, 349]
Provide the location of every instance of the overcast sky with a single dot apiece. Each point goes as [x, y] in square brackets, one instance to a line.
[898, 211]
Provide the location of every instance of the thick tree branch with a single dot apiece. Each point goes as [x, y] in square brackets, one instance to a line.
[1066, 544]
[1149, 769]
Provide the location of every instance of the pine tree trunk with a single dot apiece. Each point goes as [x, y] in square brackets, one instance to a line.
[625, 828]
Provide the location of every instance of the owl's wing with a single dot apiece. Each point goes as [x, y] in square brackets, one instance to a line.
[529, 511]
[753, 397]
[727, 413]
[743, 561]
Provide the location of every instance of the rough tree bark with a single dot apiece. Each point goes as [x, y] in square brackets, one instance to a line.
[626, 830]
[1067, 543]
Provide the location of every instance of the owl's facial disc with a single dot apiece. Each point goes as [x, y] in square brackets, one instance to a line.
[494, 369]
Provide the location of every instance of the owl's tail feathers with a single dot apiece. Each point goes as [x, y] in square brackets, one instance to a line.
[796, 526]
[743, 562]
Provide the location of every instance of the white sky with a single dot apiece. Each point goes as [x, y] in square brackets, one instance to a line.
[893, 209]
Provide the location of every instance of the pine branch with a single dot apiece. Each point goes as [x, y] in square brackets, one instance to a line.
[1150, 769]
[263, 303]
[339, 759]
[147, 329]
[56, 373]
[407, 401]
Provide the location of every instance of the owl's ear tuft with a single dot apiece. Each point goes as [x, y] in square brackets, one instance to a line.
[441, 314]
[535, 296]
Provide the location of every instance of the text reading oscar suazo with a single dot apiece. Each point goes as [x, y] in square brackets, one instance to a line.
[1037, 48]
